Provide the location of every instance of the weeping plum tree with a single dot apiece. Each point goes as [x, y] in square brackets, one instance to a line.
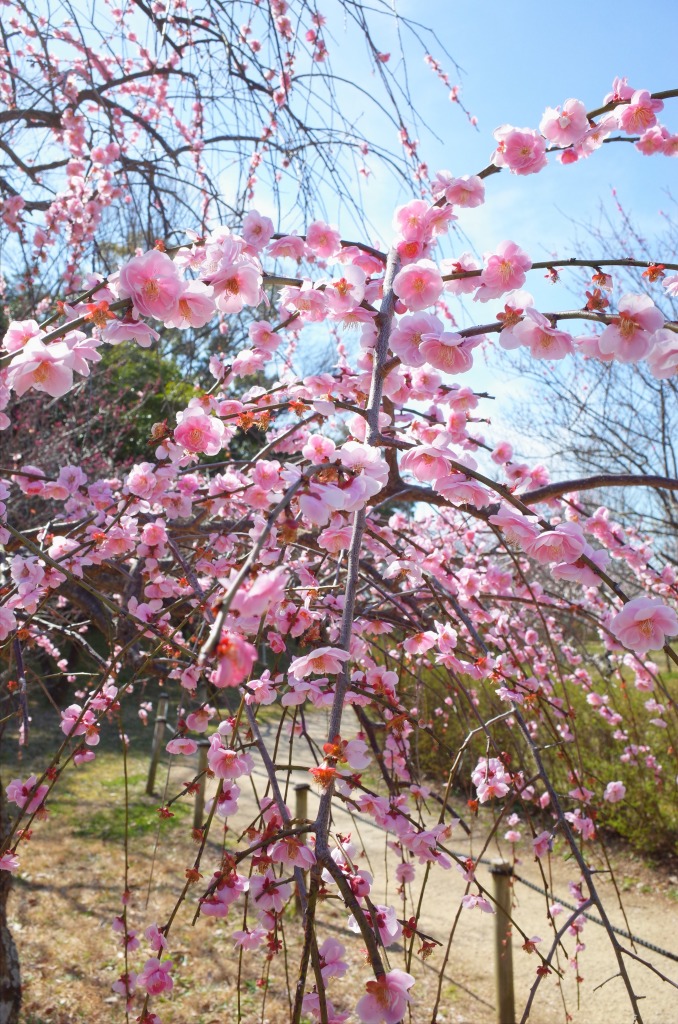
[376, 566]
[137, 121]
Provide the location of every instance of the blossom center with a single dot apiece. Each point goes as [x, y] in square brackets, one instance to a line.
[194, 436]
[41, 374]
[627, 326]
[505, 270]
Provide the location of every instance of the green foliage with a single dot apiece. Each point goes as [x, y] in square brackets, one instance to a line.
[142, 387]
[647, 817]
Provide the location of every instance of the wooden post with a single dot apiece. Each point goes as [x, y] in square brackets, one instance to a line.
[158, 737]
[199, 807]
[300, 815]
[502, 873]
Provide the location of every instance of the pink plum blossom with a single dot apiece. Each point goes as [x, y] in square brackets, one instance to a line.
[225, 763]
[182, 745]
[291, 852]
[156, 938]
[308, 301]
[263, 336]
[405, 872]
[257, 230]
[290, 247]
[543, 338]
[504, 270]
[321, 661]
[490, 779]
[409, 219]
[27, 795]
[47, 368]
[517, 528]
[7, 622]
[195, 306]
[236, 659]
[19, 332]
[640, 114]
[579, 572]
[385, 921]
[198, 432]
[448, 352]
[406, 338]
[542, 844]
[9, 862]
[319, 448]
[470, 901]
[462, 489]
[565, 126]
[155, 976]
[521, 150]
[236, 284]
[662, 361]
[427, 462]
[563, 544]
[502, 453]
[614, 792]
[418, 285]
[386, 998]
[322, 239]
[644, 623]
[129, 330]
[268, 893]
[153, 284]
[332, 964]
[249, 939]
[462, 285]
[629, 337]
[467, 191]
[347, 291]
[228, 889]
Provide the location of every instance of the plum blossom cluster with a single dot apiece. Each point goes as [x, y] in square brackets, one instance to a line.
[383, 559]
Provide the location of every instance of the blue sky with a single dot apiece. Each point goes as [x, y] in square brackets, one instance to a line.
[518, 58]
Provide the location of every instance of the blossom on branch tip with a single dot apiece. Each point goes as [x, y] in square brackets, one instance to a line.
[155, 976]
[644, 623]
[470, 901]
[386, 998]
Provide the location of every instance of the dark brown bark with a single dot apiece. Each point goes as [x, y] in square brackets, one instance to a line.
[10, 974]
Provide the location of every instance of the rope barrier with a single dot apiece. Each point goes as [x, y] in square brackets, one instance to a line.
[596, 920]
[573, 906]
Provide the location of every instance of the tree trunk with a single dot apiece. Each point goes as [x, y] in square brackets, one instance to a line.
[10, 974]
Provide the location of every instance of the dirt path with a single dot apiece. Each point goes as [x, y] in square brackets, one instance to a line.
[650, 916]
